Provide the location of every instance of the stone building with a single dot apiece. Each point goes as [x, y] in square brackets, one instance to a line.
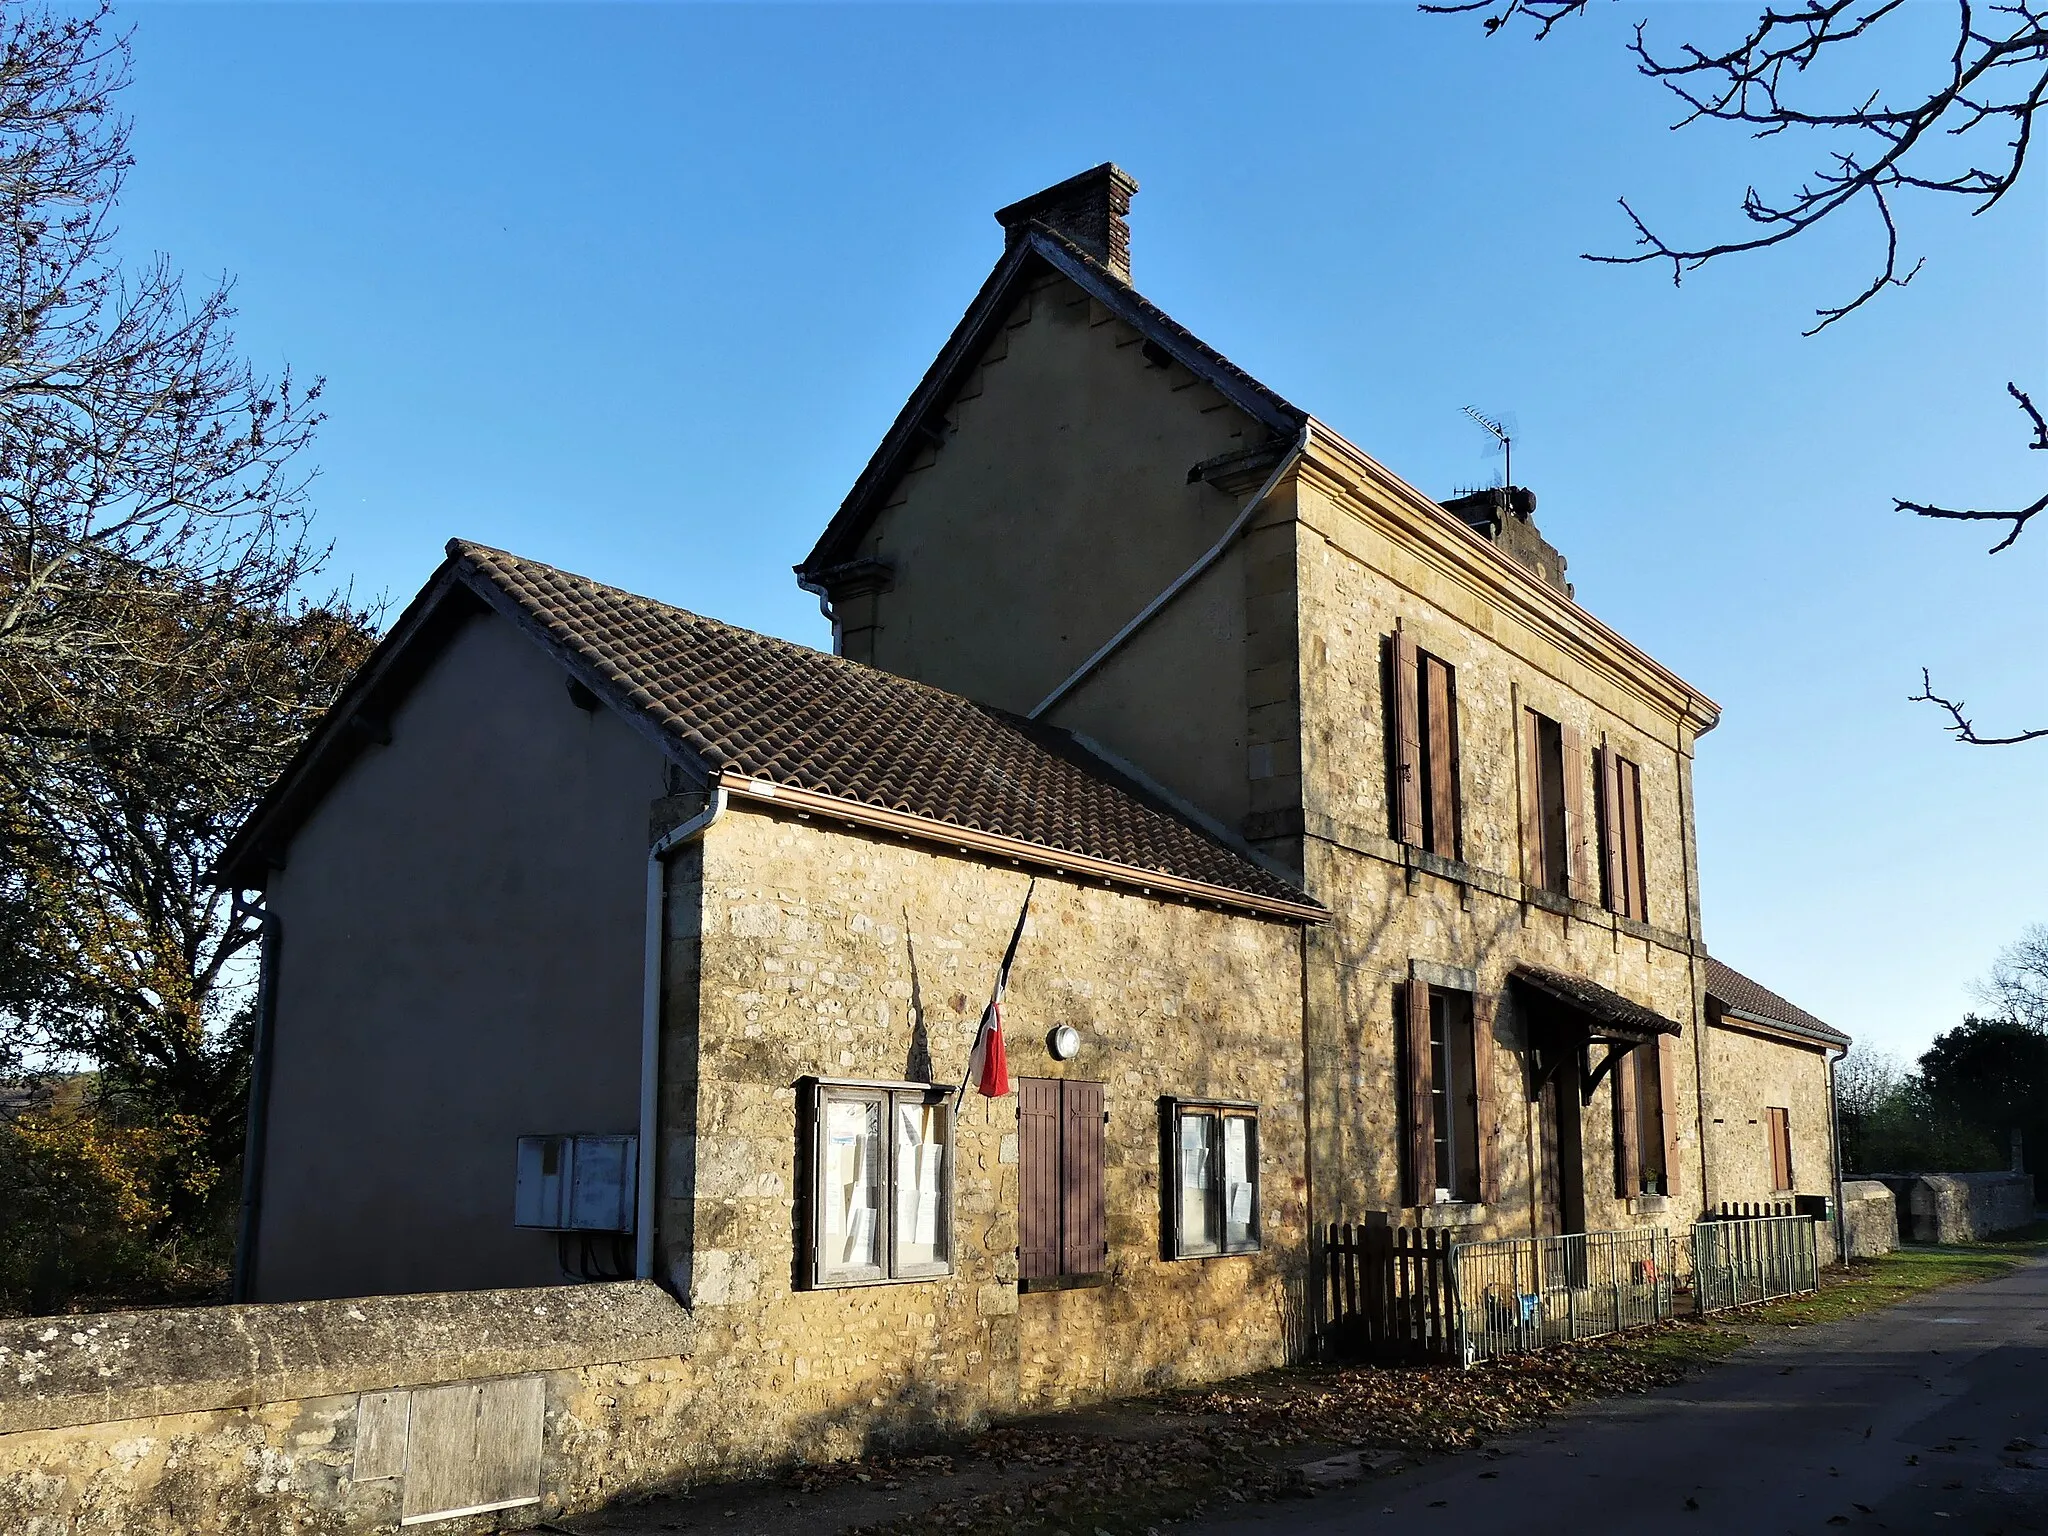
[1359, 861]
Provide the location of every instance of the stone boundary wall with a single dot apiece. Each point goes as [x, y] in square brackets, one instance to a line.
[1870, 1219]
[231, 1421]
[1960, 1207]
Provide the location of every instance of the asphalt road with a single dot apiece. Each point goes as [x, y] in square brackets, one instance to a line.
[1922, 1418]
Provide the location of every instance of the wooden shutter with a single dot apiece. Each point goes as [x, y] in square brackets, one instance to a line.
[1407, 786]
[1628, 1162]
[1484, 1090]
[1438, 704]
[1780, 1124]
[1608, 781]
[1416, 1077]
[1631, 777]
[1083, 1250]
[1667, 1105]
[1534, 871]
[1038, 1178]
[1578, 848]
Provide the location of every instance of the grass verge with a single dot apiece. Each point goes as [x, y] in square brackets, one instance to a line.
[1180, 1454]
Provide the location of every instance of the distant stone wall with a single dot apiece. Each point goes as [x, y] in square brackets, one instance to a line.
[1960, 1207]
[1870, 1219]
[333, 1418]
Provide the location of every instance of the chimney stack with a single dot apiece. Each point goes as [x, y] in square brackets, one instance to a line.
[1506, 516]
[1090, 209]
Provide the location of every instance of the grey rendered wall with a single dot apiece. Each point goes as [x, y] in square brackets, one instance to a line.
[462, 922]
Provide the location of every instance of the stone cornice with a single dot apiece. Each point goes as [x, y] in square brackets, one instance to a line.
[1349, 478]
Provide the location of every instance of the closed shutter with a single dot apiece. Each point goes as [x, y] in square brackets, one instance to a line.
[1632, 841]
[1577, 842]
[1488, 1097]
[1083, 1250]
[1439, 704]
[1416, 1077]
[1667, 1096]
[1534, 871]
[1608, 788]
[1038, 1178]
[1628, 1161]
[1407, 786]
[1781, 1148]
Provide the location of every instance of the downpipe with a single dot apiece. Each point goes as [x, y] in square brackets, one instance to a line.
[650, 1022]
[243, 1281]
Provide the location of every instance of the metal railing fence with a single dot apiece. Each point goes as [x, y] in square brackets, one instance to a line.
[1517, 1294]
[1744, 1261]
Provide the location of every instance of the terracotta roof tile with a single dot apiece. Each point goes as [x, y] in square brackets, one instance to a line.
[1610, 1010]
[1738, 994]
[771, 709]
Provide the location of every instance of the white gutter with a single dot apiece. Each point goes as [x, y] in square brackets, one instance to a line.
[1181, 582]
[650, 1022]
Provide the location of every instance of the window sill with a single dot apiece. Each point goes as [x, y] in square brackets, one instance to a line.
[862, 1282]
[1216, 1253]
[1061, 1283]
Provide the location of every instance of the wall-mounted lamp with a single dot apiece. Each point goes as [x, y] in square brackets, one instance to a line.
[1064, 1043]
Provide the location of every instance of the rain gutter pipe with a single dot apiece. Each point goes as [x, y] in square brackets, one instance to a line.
[650, 1022]
[242, 1284]
[1181, 582]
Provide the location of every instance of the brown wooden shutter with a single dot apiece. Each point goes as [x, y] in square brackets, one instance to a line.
[1485, 1090]
[1780, 1125]
[1415, 1074]
[1406, 790]
[1632, 841]
[1578, 849]
[1628, 1162]
[1667, 1105]
[1083, 1250]
[1437, 703]
[1038, 1178]
[1608, 779]
[1534, 871]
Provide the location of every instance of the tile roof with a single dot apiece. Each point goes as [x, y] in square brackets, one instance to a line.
[1738, 994]
[749, 704]
[1628, 1019]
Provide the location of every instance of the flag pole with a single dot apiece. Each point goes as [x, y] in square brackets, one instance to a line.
[995, 998]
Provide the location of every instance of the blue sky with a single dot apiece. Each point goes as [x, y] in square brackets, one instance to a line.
[636, 289]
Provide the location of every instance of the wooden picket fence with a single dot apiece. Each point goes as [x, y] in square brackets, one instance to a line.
[1387, 1293]
[1751, 1210]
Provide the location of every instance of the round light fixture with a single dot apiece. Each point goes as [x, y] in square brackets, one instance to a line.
[1064, 1043]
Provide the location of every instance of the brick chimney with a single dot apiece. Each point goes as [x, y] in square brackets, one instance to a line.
[1506, 516]
[1090, 209]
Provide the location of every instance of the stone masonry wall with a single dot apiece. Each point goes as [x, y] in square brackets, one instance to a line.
[1396, 905]
[800, 950]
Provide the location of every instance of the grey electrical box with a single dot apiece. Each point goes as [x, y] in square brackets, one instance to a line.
[576, 1183]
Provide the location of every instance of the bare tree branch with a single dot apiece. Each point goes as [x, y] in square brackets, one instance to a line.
[2019, 518]
[1960, 725]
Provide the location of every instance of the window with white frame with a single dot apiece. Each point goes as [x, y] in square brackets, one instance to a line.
[881, 1183]
[1214, 1181]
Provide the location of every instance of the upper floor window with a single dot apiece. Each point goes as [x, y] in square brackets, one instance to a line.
[1554, 852]
[1423, 763]
[1622, 868]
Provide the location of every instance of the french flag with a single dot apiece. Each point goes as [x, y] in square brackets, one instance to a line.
[988, 1069]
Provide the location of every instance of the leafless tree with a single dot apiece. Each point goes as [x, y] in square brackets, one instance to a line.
[159, 658]
[2017, 987]
[1963, 131]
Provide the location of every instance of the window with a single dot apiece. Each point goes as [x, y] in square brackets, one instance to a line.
[1214, 1179]
[1554, 854]
[1060, 1232]
[1424, 758]
[1622, 871]
[1642, 1150]
[882, 1183]
[1437, 1045]
[1780, 1126]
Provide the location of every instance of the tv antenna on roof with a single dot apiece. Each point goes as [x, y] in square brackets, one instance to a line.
[1506, 440]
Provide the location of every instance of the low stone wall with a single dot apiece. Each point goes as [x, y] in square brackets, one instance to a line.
[234, 1421]
[1870, 1219]
[1960, 1207]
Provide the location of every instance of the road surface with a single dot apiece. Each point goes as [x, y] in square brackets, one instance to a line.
[1931, 1416]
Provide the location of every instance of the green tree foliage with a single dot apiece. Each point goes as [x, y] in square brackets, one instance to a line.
[159, 662]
